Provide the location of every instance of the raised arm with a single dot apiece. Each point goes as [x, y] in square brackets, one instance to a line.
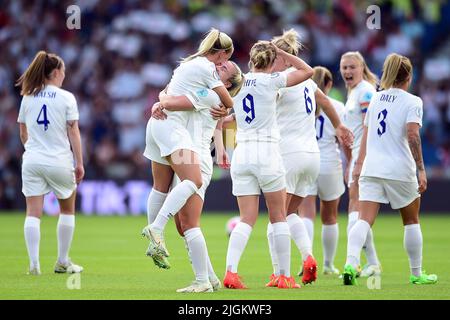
[303, 72]
[75, 141]
[344, 134]
[415, 145]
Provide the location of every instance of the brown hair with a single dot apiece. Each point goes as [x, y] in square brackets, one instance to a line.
[397, 69]
[322, 77]
[288, 42]
[262, 55]
[33, 79]
[368, 75]
[214, 41]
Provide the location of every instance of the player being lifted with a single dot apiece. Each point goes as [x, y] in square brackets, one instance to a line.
[202, 127]
[386, 167]
[48, 119]
[174, 142]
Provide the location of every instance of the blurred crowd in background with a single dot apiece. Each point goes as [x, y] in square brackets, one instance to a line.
[126, 50]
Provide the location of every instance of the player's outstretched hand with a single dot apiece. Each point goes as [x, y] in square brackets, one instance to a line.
[218, 112]
[344, 135]
[422, 181]
[79, 173]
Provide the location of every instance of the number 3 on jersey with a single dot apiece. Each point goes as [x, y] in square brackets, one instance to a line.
[42, 117]
[249, 107]
[382, 128]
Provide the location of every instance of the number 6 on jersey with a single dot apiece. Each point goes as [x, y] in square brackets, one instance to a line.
[45, 121]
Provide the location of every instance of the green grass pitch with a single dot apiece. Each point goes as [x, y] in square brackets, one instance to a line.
[112, 253]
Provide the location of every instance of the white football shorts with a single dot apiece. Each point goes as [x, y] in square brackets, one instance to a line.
[328, 187]
[39, 180]
[257, 166]
[398, 193]
[302, 170]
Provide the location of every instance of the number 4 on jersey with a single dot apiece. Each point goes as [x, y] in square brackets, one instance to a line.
[43, 120]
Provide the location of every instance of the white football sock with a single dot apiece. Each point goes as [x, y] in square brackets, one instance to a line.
[369, 249]
[352, 218]
[330, 236]
[198, 252]
[238, 241]
[154, 203]
[32, 232]
[300, 235]
[211, 274]
[64, 230]
[412, 242]
[174, 202]
[282, 246]
[309, 224]
[273, 254]
[356, 239]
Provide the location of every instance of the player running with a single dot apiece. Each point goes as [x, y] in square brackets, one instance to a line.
[48, 120]
[360, 82]
[329, 185]
[386, 167]
[296, 107]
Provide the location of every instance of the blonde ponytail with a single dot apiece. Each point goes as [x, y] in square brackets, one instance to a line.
[213, 42]
[368, 75]
[262, 55]
[32, 81]
[397, 70]
[322, 77]
[288, 42]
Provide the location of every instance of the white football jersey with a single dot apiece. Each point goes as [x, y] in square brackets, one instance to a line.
[357, 102]
[388, 155]
[201, 126]
[330, 155]
[45, 115]
[296, 108]
[255, 107]
[187, 79]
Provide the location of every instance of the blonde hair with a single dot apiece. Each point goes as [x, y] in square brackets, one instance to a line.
[288, 42]
[32, 81]
[262, 55]
[397, 69]
[213, 42]
[322, 77]
[236, 80]
[368, 75]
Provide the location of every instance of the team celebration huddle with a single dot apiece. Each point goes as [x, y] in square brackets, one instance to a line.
[289, 140]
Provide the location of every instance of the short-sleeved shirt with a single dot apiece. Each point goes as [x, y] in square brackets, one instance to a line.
[296, 108]
[330, 155]
[188, 79]
[201, 126]
[255, 107]
[45, 115]
[357, 103]
[388, 155]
